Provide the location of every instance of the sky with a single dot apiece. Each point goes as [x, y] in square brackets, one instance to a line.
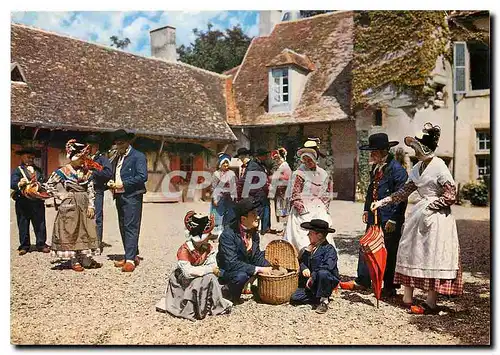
[99, 26]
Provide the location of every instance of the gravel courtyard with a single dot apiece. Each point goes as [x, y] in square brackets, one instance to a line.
[108, 307]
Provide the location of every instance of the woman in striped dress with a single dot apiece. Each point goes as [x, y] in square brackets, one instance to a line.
[428, 253]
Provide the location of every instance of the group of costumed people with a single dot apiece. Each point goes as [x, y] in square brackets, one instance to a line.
[422, 251]
[78, 192]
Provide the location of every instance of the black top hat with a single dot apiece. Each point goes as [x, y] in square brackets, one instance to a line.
[260, 152]
[121, 135]
[92, 138]
[29, 150]
[378, 141]
[242, 151]
[244, 206]
[318, 225]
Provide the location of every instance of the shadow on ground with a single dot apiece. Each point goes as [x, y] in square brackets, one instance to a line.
[466, 317]
[475, 243]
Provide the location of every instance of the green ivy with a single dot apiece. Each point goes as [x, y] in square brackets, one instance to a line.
[475, 192]
[363, 166]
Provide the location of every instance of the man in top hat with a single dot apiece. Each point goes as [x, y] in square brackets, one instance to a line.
[319, 274]
[130, 174]
[243, 154]
[29, 210]
[386, 177]
[100, 178]
[260, 177]
[239, 256]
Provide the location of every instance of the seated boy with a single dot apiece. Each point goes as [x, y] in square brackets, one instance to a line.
[193, 290]
[239, 256]
[319, 274]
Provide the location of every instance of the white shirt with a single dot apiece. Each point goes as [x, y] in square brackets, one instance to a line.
[118, 177]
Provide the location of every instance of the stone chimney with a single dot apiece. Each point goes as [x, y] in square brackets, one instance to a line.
[267, 20]
[163, 43]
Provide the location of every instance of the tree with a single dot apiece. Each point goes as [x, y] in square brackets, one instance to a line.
[309, 13]
[119, 43]
[215, 50]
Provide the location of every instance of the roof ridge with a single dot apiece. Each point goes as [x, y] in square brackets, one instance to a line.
[119, 50]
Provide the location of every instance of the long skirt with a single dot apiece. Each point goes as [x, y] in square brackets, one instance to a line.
[193, 299]
[223, 213]
[295, 234]
[74, 233]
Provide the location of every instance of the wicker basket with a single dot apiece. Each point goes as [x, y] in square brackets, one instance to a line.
[279, 289]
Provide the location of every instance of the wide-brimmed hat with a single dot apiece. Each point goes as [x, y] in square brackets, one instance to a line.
[121, 135]
[245, 206]
[378, 141]
[429, 140]
[242, 151]
[92, 138]
[318, 225]
[29, 150]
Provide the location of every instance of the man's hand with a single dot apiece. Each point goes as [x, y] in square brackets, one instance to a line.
[265, 270]
[90, 212]
[365, 217]
[216, 270]
[306, 273]
[309, 283]
[390, 226]
[118, 186]
[214, 203]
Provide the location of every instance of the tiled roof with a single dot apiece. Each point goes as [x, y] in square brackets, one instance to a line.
[74, 84]
[327, 41]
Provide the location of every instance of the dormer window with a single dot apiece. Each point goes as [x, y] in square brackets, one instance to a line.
[16, 74]
[288, 72]
[280, 86]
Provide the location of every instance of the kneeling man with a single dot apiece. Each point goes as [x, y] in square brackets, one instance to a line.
[239, 256]
[319, 274]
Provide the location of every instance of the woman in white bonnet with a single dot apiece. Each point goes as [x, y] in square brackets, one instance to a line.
[428, 253]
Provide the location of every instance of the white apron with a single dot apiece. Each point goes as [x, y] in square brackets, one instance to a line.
[429, 243]
[315, 185]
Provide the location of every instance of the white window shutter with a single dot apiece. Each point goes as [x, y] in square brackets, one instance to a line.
[459, 67]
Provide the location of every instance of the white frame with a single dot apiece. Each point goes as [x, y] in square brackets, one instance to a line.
[478, 141]
[485, 157]
[276, 88]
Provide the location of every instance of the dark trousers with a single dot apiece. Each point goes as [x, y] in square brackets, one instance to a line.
[31, 211]
[129, 219]
[322, 286]
[99, 214]
[235, 282]
[391, 241]
[264, 212]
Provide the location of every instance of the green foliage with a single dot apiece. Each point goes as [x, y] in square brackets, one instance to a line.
[398, 47]
[363, 166]
[119, 43]
[215, 50]
[476, 193]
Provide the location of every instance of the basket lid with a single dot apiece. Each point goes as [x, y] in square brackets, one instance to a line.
[284, 252]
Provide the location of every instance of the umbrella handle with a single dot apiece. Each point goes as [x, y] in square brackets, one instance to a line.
[375, 214]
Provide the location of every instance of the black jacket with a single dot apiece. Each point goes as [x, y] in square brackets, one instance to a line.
[232, 256]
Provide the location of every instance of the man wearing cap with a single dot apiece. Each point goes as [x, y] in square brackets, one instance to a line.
[386, 177]
[319, 274]
[239, 256]
[101, 178]
[259, 172]
[130, 174]
[28, 210]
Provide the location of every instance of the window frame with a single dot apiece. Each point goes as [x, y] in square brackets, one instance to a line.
[486, 141]
[276, 89]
